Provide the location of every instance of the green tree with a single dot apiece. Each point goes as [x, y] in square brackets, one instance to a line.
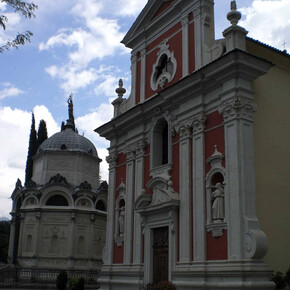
[41, 133]
[27, 10]
[4, 240]
[31, 150]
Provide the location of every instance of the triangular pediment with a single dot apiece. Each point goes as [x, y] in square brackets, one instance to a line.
[153, 10]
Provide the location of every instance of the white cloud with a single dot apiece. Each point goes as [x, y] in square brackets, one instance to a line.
[88, 123]
[14, 134]
[268, 21]
[95, 38]
[130, 7]
[9, 90]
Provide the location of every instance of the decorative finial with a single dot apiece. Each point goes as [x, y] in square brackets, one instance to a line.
[234, 16]
[233, 5]
[120, 90]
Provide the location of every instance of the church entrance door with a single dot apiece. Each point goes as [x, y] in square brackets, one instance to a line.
[160, 254]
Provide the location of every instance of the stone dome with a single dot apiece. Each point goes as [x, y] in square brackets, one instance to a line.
[68, 140]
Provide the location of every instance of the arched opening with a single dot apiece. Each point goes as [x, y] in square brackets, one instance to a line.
[57, 200]
[81, 246]
[101, 205]
[54, 247]
[29, 244]
[160, 144]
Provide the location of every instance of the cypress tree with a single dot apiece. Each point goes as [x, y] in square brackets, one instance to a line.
[42, 133]
[31, 150]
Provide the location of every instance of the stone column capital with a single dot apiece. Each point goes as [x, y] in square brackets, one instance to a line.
[237, 108]
[112, 160]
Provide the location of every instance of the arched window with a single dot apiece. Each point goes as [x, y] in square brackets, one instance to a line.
[101, 205]
[57, 200]
[160, 144]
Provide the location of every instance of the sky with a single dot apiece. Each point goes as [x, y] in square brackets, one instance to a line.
[76, 49]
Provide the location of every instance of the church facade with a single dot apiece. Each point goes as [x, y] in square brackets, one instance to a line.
[188, 181]
[59, 216]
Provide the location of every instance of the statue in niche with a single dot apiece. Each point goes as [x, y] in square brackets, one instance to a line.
[121, 220]
[218, 209]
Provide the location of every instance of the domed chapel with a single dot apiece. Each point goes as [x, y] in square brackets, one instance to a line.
[59, 217]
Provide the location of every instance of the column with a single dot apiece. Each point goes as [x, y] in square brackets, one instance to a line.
[139, 180]
[143, 75]
[185, 60]
[112, 160]
[198, 202]
[128, 231]
[185, 193]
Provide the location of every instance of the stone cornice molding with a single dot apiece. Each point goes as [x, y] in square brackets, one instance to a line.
[112, 160]
[237, 108]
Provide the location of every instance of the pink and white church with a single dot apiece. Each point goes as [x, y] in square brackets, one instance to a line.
[190, 196]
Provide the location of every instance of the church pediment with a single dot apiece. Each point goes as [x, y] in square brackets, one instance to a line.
[152, 10]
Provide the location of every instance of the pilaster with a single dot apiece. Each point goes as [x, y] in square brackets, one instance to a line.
[203, 30]
[185, 45]
[37, 234]
[11, 239]
[198, 202]
[185, 193]
[72, 240]
[109, 248]
[128, 232]
[143, 74]
[245, 239]
[139, 181]
[133, 78]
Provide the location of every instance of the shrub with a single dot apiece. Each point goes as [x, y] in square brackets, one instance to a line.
[279, 279]
[287, 277]
[164, 285]
[76, 284]
[61, 280]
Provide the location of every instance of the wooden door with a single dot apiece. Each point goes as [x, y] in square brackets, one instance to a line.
[160, 254]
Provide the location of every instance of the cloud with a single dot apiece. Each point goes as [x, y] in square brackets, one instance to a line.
[268, 21]
[9, 90]
[14, 131]
[88, 123]
[96, 37]
[130, 7]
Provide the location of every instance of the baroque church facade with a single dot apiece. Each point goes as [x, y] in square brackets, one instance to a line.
[194, 194]
[59, 216]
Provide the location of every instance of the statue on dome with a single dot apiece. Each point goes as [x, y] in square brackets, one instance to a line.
[70, 107]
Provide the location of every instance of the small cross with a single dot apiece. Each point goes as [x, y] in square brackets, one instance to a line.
[284, 44]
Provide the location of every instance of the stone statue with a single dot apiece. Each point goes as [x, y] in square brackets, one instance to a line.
[121, 220]
[70, 108]
[218, 211]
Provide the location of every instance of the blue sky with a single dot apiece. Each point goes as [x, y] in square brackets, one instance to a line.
[76, 49]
